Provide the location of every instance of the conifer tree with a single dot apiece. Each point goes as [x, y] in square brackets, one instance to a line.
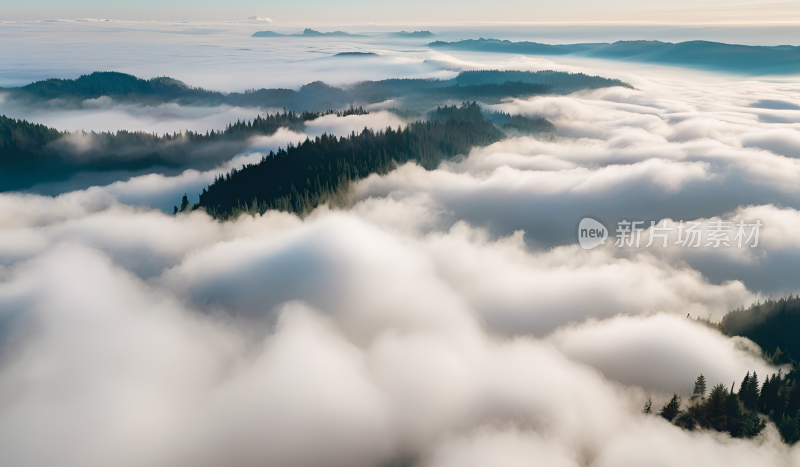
[716, 409]
[699, 387]
[748, 391]
[671, 409]
[184, 203]
[790, 428]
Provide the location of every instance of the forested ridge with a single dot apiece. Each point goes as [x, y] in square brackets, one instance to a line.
[484, 85]
[110, 84]
[564, 82]
[742, 413]
[301, 177]
[32, 153]
[775, 326]
[18, 137]
[26, 138]
[519, 124]
[21, 150]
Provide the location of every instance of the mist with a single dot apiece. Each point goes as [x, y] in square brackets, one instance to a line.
[435, 318]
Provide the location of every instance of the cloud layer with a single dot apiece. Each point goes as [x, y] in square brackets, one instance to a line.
[179, 340]
[442, 318]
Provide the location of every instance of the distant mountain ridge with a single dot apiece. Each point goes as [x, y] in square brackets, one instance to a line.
[413, 34]
[307, 32]
[355, 54]
[109, 84]
[716, 56]
[489, 86]
[31, 153]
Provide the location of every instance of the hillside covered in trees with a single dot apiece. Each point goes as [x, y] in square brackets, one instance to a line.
[32, 153]
[300, 178]
[521, 125]
[742, 413]
[490, 86]
[775, 326]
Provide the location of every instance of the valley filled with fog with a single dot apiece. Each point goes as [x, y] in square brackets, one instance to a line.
[427, 316]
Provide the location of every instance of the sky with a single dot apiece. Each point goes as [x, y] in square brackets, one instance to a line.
[413, 11]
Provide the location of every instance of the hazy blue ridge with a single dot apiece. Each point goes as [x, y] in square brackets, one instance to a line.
[695, 54]
[307, 32]
[413, 34]
[488, 86]
[355, 54]
[268, 34]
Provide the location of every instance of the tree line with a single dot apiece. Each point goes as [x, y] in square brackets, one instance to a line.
[418, 94]
[743, 413]
[299, 178]
[773, 325]
[32, 153]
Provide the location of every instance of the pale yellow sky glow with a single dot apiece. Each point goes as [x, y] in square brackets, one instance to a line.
[417, 11]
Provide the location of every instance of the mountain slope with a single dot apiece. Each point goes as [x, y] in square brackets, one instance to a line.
[695, 54]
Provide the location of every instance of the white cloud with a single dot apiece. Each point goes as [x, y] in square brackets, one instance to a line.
[420, 324]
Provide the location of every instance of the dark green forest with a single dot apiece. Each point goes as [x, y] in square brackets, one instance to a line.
[31, 153]
[521, 125]
[21, 150]
[31, 156]
[565, 82]
[741, 413]
[19, 137]
[489, 86]
[301, 177]
[775, 326]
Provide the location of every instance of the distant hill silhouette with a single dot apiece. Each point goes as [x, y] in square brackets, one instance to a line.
[268, 34]
[490, 86]
[707, 55]
[354, 54]
[413, 34]
[773, 324]
[307, 32]
[31, 153]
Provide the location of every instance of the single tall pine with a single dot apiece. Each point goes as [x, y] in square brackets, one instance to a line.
[671, 409]
[699, 387]
[184, 203]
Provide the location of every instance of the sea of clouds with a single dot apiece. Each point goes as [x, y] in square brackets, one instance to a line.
[443, 318]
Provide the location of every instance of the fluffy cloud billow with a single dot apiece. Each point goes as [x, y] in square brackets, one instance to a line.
[437, 318]
[254, 339]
